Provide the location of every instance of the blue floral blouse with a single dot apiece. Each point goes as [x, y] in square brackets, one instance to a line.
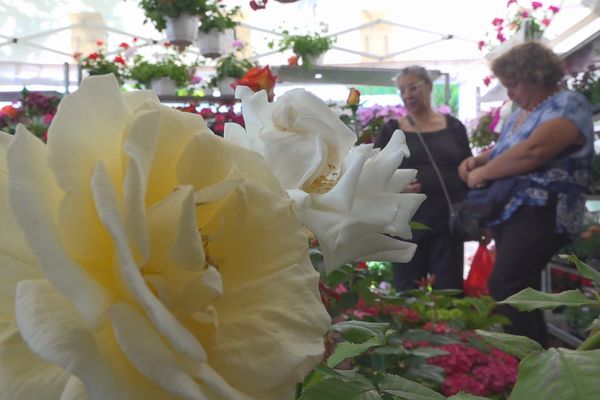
[568, 174]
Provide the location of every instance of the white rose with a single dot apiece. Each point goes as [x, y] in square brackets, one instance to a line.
[143, 257]
[349, 197]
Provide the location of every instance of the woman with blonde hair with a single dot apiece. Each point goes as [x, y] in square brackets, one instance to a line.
[547, 147]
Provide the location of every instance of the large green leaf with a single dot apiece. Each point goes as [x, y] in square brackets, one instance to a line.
[518, 346]
[346, 350]
[339, 389]
[559, 374]
[529, 299]
[360, 331]
[585, 269]
[407, 389]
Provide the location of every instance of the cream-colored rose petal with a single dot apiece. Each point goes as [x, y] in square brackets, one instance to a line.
[217, 191]
[53, 330]
[24, 376]
[217, 385]
[13, 271]
[74, 390]
[277, 330]
[32, 198]
[12, 241]
[177, 128]
[174, 234]
[148, 352]
[309, 157]
[400, 179]
[136, 98]
[256, 110]
[237, 134]
[374, 247]
[140, 146]
[87, 127]
[379, 169]
[107, 205]
[218, 157]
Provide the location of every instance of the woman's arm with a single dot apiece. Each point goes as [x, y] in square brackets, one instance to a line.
[470, 163]
[546, 141]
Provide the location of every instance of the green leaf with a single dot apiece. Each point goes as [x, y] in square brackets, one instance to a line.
[338, 389]
[346, 350]
[529, 299]
[518, 346]
[466, 396]
[559, 374]
[424, 371]
[584, 269]
[428, 352]
[407, 389]
[360, 331]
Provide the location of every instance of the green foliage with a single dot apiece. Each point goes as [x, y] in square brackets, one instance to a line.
[98, 63]
[304, 46]
[230, 66]
[588, 83]
[212, 13]
[156, 11]
[168, 66]
[530, 299]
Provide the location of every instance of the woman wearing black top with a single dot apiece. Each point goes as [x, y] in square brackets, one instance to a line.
[437, 252]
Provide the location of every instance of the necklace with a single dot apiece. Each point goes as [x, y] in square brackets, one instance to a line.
[524, 114]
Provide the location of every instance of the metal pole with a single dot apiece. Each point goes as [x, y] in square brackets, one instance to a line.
[66, 72]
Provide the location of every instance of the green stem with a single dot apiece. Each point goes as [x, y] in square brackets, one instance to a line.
[592, 342]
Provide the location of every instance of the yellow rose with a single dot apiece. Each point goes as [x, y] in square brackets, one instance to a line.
[143, 257]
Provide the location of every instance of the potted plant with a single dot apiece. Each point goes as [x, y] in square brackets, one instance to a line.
[98, 63]
[308, 47]
[179, 18]
[216, 28]
[163, 76]
[228, 69]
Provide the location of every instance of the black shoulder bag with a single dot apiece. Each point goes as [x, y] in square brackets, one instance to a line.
[481, 204]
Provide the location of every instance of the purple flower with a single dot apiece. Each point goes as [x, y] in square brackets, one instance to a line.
[237, 44]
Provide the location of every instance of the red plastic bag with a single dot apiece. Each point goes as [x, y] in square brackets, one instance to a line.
[481, 268]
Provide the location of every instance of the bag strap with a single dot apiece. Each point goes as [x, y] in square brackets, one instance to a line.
[434, 164]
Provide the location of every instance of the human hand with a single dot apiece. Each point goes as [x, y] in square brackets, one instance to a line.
[467, 165]
[413, 187]
[475, 178]
[486, 236]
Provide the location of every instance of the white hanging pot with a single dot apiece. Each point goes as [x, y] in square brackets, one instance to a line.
[181, 31]
[212, 44]
[311, 60]
[225, 87]
[164, 86]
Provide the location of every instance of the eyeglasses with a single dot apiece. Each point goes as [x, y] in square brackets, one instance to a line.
[412, 88]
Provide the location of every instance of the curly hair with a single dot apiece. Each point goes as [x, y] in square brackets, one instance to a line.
[530, 62]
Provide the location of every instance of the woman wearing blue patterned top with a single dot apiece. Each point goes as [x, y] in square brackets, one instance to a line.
[547, 146]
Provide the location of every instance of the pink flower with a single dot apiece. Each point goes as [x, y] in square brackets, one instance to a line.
[487, 80]
[237, 44]
[511, 2]
[546, 21]
[500, 37]
[497, 21]
[48, 118]
[481, 44]
[536, 5]
[554, 9]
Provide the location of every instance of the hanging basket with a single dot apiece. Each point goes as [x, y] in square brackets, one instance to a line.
[287, 1]
[225, 87]
[164, 86]
[213, 44]
[181, 31]
[310, 60]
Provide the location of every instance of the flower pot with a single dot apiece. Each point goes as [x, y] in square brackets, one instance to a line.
[163, 86]
[181, 31]
[311, 60]
[213, 44]
[225, 87]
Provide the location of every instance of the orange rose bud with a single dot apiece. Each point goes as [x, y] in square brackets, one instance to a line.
[353, 97]
[257, 79]
[293, 60]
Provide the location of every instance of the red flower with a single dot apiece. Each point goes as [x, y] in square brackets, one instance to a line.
[293, 60]
[487, 80]
[536, 5]
[207, 113]
[124, 45]
[99, 42]
[260, 5]
[361, 265]
[119, 60]
[546, 21]
[257, 79]
[77, 55]
[353, 97]
[481, 44]
[9, 111]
